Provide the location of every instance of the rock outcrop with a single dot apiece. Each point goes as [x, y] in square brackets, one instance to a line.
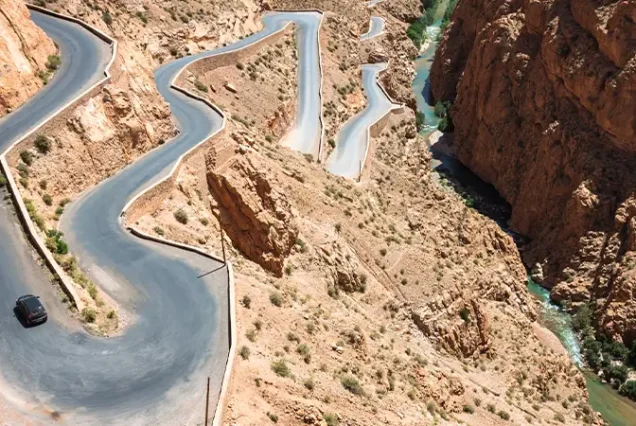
[544, 102]
[253, 212]
[24, 51]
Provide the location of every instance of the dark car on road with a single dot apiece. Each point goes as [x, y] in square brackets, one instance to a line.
[31, 309]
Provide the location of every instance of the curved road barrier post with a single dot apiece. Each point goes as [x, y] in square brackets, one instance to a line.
[25, 218]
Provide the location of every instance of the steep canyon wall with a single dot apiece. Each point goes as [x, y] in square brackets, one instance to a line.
[544, 106]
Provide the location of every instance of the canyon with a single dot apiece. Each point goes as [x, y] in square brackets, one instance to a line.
[384, 300]
[544, 95]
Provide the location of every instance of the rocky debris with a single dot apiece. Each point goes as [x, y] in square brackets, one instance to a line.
[378, 56]
[230, 87]
[460, 327]
[254, 212]
[555, 133]
[24, 51]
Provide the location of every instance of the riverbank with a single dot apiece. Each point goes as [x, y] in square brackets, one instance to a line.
[615, 409]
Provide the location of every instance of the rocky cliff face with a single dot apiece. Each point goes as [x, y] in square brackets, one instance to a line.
[254, 213]
[545, 109]
[24, 49]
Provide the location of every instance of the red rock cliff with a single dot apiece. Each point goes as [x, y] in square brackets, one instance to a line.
[544, 108]
[24, 49]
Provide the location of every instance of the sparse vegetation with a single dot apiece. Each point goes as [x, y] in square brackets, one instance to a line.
[280, 368]
[26, 157]
[181, 216]
[276, 299]
[53, 62]
[107, 18]
[89, 315]
[246, 301]
[352, 384]
[244, 352]
[42, 144]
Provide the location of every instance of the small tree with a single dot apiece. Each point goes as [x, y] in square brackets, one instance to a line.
[629, 390]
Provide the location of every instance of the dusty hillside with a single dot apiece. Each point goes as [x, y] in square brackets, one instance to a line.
[544, 99]
[24, 54]
[397, 304]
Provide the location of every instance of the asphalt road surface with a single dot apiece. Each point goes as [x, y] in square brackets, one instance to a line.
[352, 141]
[156, 371]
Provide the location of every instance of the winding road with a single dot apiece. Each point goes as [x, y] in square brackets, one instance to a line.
[376, 28]
[352, 141]
[156, 371]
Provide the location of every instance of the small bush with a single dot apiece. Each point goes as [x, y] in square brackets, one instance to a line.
[309, 384]
[246, 301]
[92, 291]
[159, 231]
[204, 221]
[53, 62]
[111, 314]
[89, 315]
[276, 299]
[469, 409]
[42, 144]
[48, 200]
[303, 349]
[331, 419]
[27, 157]
[3, 180]
[107, 18]
[244, 352]
[273, 417]
[559, 418]
[181, 216]
[504, 415]
[352, 384]
[43, 184]
[280, 368]
[200, 86]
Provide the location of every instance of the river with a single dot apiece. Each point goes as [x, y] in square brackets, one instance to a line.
[615, 409]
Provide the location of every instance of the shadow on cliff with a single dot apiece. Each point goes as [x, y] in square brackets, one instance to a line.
[478, 193]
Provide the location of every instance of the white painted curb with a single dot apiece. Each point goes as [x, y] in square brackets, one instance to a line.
[65, 282]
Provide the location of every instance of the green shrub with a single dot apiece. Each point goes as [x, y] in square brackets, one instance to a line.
[42, 144]
[111, 314]
[27, 157]
[53, 62]
[469, 409]
[309, 384]
[559, 417]
[159, 231]
[244, 352]
[181, 216]
[280, 368]
[504, 415]
[352, 384]
[89, 315]
[331, 419]
[92, 291]
[303, 349]
[273, 417]
[43, 184]
[420, 121]
[3, 180]
[276, 298]
[200, 86]
[628, 389]
[107, 18]
[247, 301]
[48, 200]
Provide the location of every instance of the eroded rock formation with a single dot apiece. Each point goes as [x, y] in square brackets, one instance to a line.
[24, 51]
[254, 213]
[545, 109]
